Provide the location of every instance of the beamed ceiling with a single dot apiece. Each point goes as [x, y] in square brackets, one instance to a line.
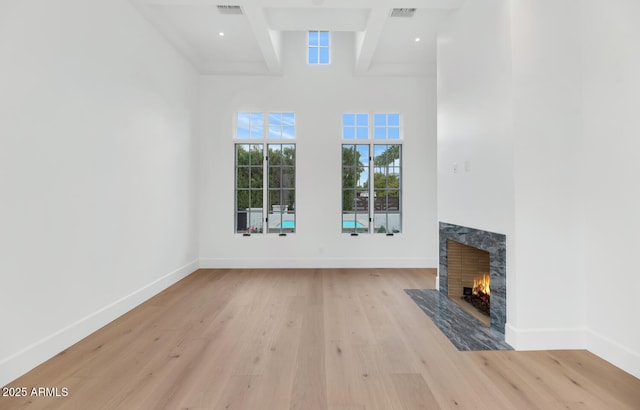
[252, 41]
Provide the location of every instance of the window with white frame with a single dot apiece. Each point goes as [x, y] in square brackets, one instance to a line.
[371, 174]
[318, 47]
[265, 173]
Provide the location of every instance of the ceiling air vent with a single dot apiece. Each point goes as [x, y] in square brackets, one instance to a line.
[402, 12]
[225, 9]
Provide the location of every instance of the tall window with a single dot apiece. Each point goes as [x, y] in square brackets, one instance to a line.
[371, 196]
[265, 173]
[355, 189]
[318, 47]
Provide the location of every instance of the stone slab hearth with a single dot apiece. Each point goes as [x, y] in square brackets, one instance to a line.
[463, 330]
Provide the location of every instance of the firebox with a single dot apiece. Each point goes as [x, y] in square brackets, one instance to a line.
[469, 279]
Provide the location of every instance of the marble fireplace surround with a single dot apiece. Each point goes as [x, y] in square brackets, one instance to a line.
[491, 242]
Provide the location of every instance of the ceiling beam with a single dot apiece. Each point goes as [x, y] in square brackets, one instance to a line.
[269, 41]
[344, 4]
[367, 40]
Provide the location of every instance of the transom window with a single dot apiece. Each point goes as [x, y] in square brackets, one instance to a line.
[371, 175]
[318, 47]
[250, 125]
[386, 126]
[355, 126]
[281, 125]
[255, 161]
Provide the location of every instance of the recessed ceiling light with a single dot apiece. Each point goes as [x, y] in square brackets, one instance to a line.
[221, 34]
[417, 39]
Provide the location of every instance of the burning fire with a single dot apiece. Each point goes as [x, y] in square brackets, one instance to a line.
[482, 284]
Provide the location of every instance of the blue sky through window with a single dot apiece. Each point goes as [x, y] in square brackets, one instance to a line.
[250, 125]
[355, 126]
[281, 125]
[386, 126]
[318, 47]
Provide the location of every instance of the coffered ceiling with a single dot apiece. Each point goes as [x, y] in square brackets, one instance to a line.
[252, 42]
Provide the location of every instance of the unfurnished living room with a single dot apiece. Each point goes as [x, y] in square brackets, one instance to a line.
[319, 204]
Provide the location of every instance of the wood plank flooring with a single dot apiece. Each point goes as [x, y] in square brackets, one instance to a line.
[308, 339]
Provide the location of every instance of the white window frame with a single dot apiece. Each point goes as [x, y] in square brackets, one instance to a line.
[373, 143]
[285, 136]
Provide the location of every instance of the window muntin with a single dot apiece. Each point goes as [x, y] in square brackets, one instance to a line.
[355, 191]
[318, 47]
[355, 126]
[265, 173]
[377, 195]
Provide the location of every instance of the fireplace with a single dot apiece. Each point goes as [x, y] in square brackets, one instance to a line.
[466, 254]
[469, 279]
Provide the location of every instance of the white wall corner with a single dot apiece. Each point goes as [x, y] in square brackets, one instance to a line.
[42, 350]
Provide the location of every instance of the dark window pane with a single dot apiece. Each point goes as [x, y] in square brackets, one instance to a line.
[288, 177]
[256, 198]
[274, 177]
[275, 154]
[256, 177]
[289, 154]
[348, 200]
[242, 199]
[256, 154]
[242, 155]
[362, 201]
[242, 177]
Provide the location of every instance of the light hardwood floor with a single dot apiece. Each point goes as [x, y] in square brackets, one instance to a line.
[309, 339]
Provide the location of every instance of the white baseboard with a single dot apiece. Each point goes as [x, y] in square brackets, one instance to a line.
[303, 263]
[545, 338]
[21, 362]
[570, 339]
[616, 354]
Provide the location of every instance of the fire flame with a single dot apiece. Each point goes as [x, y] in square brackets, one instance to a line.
[482, 284]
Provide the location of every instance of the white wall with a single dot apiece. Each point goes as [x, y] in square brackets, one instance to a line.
[475, 125]
[318, 95]
[611, 195]
[97, 172]
[573, 91]
[547, 141]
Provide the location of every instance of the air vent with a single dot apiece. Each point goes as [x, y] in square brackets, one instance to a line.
[225, 9]
[402, 12]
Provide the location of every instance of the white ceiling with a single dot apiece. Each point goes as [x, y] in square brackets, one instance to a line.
[252, 41]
